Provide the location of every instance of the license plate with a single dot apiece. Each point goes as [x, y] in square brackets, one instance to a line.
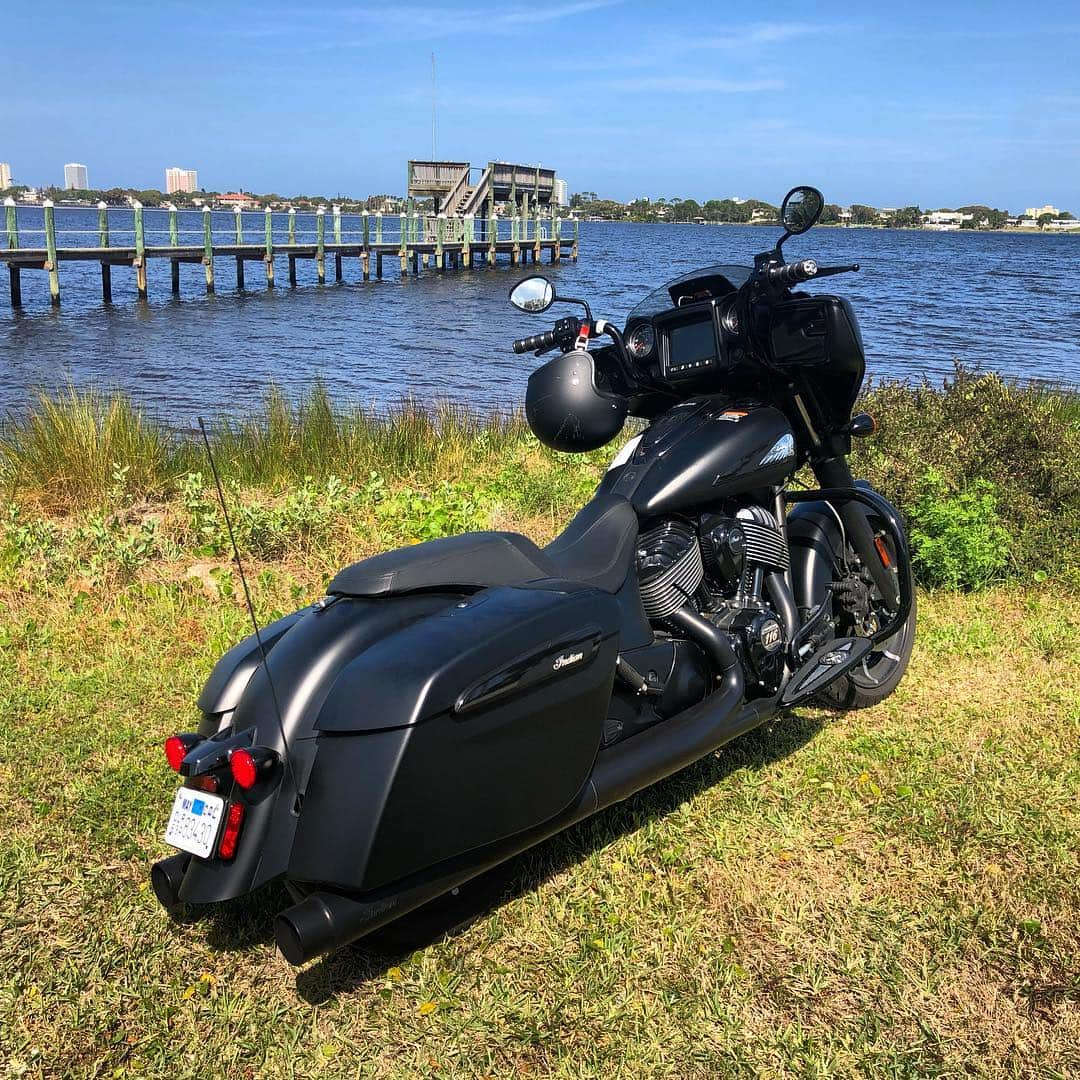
[195, 821]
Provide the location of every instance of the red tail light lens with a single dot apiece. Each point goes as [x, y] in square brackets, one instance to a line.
[234, 818]
[244, 770]
[177, 748]
[250, 766]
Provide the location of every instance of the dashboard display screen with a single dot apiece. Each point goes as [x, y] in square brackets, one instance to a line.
[691, 347]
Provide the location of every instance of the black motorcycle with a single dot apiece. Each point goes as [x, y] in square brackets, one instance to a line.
[450, 704]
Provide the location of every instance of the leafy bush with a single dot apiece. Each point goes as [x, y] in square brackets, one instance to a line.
[957, 539]
[1024, 440]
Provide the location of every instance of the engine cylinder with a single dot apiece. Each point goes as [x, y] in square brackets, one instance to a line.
[669, 567]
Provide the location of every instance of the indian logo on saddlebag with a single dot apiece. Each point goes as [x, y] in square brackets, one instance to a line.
[566, 660]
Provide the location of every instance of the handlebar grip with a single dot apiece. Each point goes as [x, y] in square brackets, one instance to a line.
[536, 343]
[793, 273]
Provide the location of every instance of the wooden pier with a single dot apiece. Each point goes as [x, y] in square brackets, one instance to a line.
[408, 240]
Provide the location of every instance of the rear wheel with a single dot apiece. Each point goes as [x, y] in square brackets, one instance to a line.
[861, 612]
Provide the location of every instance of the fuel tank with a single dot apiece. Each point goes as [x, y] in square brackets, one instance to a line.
[702, 450]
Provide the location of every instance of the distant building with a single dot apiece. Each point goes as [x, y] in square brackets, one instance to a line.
[5, 175]
[1037, 212]
[232, 200]
[1063, 225]
[176, 179]
[75, 178]
[562, 196]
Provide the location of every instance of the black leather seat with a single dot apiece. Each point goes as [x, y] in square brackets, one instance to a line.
[596, 548]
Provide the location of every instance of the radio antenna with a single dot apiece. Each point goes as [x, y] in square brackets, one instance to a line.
[250, 606]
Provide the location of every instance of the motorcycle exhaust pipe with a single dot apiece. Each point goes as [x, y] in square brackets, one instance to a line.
[165, 878]
[325, 920]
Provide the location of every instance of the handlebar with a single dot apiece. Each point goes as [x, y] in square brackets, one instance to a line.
[804, 270]
[792, 273]
[536, 343]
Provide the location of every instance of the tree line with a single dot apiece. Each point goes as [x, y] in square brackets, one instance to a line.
[754, 210]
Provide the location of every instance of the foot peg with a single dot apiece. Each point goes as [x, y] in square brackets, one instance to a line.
[831, 661]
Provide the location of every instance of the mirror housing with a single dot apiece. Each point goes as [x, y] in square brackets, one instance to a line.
[533, 295]
[801, 208]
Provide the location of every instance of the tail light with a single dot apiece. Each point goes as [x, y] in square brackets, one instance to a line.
[177, 748]
[230, 835]
[252, 765]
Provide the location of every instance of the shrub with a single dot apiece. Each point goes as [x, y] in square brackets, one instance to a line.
[957, 540]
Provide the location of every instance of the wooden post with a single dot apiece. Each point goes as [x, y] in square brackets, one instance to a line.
[538, 233]
[208, 249]
[174, 241]
[365, 256]
[140, 252]
[556, 235]
[493, 232]
[13, 224]
[50, 244]
[239, 239]
[467, 240]
[378, 226]
[573, 250]
[14, 277]
[269, 257]
[403, 252]
[440, 239]
[292, 243]
[103, 241]
[320, 244]
[337, 240]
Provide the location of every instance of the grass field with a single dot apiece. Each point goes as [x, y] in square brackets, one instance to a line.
[888, 893]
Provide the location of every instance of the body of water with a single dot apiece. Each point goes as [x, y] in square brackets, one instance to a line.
[1006, 302]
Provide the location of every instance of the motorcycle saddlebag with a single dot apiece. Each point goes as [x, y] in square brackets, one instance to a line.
[463, 728]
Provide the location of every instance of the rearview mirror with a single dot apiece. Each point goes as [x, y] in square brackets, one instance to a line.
[533, 294]
[801, 207]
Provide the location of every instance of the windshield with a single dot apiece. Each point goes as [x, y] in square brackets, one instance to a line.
[726, 279]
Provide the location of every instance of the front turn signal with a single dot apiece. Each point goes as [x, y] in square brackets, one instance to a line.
[861, 425]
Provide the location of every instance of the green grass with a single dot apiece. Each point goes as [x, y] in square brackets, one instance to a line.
[887, 893]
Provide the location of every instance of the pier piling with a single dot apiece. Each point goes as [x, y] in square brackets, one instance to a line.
[268, 258]
[208, 250]
[174, 242]
[365, 255]
[239, 219]
[51, 263]
[292, 243]
[320, 244]
[337, 240]
[13, 242]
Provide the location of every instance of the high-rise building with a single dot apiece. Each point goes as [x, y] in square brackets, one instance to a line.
[5, 175]
[561, 196]
[177, 179]
[75, 178]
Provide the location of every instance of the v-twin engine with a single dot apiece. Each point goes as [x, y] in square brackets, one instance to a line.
[718, 569]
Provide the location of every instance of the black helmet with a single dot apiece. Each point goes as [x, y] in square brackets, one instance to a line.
[566, 410]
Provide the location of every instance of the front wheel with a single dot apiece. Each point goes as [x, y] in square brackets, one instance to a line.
[884, 666]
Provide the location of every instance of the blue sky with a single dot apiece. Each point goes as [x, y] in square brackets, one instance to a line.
[937, 104]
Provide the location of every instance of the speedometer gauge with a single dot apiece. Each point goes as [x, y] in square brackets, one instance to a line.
[641, 341]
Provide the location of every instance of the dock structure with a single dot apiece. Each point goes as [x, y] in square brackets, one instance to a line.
[408, 240]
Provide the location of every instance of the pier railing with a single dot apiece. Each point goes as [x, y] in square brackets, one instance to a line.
[132, 237]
